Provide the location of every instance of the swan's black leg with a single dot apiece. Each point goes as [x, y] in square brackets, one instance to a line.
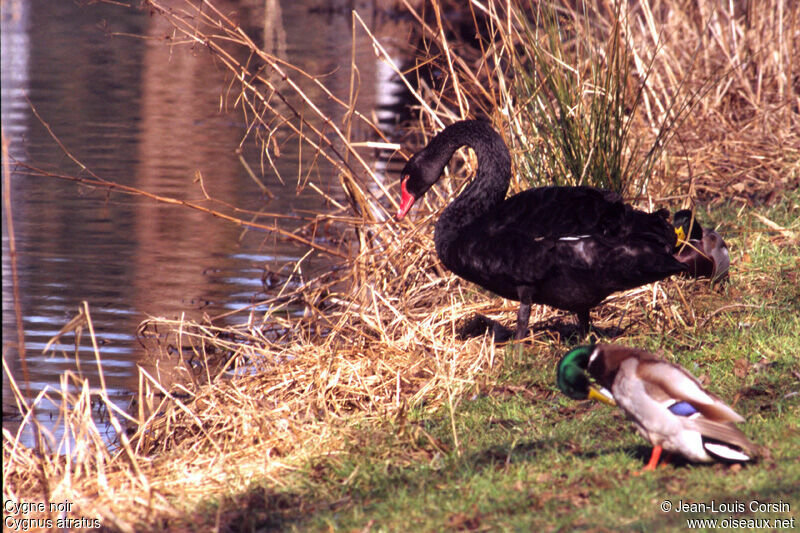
[523, 315]
[583, 323]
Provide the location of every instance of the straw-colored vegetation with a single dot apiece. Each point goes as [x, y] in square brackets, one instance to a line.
[352, 404]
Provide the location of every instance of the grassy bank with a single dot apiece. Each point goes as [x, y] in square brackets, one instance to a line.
[364, 411]
[515, 454]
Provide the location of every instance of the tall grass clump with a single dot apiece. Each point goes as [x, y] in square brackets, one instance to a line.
[578, 97]
[622, 95]
[575, 97]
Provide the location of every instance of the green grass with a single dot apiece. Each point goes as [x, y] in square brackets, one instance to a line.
[530, 458]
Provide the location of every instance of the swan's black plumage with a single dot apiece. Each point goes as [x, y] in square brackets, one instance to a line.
[566, 247]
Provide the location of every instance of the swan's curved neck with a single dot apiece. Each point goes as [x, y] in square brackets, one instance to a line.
[488, 188]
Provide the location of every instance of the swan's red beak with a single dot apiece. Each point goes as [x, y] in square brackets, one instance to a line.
[406, 201]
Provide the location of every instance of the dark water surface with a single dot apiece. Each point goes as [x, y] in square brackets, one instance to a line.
[141, 113]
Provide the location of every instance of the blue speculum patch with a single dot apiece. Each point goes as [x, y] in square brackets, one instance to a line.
[682, 409]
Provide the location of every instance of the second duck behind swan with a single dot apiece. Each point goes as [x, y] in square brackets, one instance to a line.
[566, 247]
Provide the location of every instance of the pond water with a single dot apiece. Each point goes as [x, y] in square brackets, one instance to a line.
[141, 113]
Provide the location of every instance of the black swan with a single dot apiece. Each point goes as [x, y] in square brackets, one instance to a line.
[705, 253]
[566, 247]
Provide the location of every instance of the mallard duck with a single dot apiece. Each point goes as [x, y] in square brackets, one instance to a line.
[704, 252]
[566, 247]
[668, 405]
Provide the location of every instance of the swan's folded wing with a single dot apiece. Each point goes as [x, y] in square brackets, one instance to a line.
[553, 212]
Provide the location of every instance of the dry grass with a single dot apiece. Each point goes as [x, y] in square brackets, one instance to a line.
[716, 79]
[377, 337]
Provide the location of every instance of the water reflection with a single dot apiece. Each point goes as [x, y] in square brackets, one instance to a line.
[139, 112]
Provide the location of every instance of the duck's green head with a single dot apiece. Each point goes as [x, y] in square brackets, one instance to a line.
[571, 376]
[572, 379]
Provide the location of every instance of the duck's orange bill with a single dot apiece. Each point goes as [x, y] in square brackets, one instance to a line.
[595, 394]
[406, 200]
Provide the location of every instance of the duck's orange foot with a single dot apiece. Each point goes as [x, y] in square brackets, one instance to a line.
[666, 459]
[651, 465]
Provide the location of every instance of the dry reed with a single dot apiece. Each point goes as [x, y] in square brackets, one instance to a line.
[378, 336]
